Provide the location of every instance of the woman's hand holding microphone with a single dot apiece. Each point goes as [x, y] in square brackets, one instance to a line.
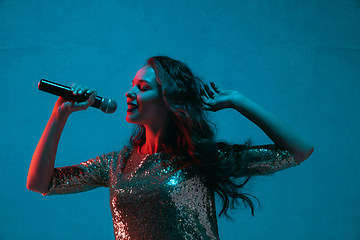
[66, 107]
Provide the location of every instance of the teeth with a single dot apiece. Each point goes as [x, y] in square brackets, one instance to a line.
[132, 106]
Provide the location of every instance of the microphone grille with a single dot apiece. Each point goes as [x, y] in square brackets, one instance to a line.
[108, 105]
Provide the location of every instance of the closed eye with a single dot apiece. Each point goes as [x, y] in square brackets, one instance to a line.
[142, 88]
[141, 84]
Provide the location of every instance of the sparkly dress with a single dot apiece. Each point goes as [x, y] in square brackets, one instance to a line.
[166, 197]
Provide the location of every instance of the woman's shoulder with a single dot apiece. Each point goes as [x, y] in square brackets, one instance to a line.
[124, 152]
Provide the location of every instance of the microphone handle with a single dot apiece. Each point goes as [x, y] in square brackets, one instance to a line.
[65, 92]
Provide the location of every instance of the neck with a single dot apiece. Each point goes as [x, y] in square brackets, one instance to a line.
[154, 141]
[156, 137]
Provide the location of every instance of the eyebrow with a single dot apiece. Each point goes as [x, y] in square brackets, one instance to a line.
[141, 80]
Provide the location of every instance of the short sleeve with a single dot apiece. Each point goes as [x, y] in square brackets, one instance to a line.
[82, 177]
[257, 160]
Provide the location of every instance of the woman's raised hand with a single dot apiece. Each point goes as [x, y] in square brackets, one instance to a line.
[64, 106]
[216, 99]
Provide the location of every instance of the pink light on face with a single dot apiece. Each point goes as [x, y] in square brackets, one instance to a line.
[145, 107]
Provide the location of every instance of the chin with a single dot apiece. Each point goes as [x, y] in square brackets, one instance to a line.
[131, 119]
[128, 119]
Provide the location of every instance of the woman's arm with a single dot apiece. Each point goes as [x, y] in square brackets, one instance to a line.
[42, 162]
[277, 130]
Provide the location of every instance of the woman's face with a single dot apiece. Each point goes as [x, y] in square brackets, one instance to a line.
[145, 107]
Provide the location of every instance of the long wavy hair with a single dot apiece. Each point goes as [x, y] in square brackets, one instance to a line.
[193, 133]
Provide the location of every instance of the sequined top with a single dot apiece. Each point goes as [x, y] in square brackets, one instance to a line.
[166, 197]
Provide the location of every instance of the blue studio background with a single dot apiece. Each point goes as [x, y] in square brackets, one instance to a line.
[300, 59]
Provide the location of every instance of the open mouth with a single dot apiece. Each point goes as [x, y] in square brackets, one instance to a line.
[131, 107]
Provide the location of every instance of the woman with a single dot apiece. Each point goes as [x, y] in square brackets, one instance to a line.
[162, 186]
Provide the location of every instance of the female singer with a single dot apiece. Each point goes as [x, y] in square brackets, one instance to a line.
[163, 185]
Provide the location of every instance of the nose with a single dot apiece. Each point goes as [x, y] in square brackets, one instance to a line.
[130, 94]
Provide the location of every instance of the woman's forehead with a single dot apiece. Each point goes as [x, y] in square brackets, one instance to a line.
[145, 73]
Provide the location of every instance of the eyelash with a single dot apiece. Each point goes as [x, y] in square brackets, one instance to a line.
[142, 89]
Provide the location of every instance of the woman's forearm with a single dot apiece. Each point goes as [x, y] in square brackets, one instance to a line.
[42, 162]
[277, 130]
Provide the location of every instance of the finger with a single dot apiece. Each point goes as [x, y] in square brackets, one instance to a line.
[91, 99]
[66, 106]
[203, 93]
[216, 89]
[75, 88]
[208, 108]
[206, 101]
[88, 102]
[80, 89]
[91, 91]
[82, 105]
[209, 92]
[206, 104]
[85, 90]
[209, 103]
[77, 106]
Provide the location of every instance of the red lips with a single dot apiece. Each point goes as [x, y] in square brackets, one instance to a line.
[132, 106]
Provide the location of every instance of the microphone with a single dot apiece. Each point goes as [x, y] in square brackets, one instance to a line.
[106, 105]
